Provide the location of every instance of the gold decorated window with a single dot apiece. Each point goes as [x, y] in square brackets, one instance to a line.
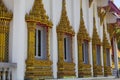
[5, 18]
[68, 48]
[108, 57]
[41, 42]
[98, 54]
[85, 53]
[38, 63]
[65, 33]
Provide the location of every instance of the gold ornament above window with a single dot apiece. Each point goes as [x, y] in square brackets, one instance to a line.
[38, 14]
[64, 28]
[5, 18]
[4, 13]
[64, 24]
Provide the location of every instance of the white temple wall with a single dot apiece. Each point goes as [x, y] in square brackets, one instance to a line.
[18, 29]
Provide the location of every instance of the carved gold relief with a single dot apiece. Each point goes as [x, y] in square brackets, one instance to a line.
[36, 68]
[102, 13]
[5, 18]
[63, 28]
[106, 44]
[97, 69]
[83, 69]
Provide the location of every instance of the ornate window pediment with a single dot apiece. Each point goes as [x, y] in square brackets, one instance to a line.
[95, 39]
[64, 24]
[38, 14]
[38, 59]
[65, 34]
[106, 54]
[5, 18]
[4, 13]
[83, 47]
[97, 69]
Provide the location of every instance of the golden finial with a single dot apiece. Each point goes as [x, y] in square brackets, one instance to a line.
[81, 13]
[38, 14]
[64, 24]
[4, 13]
[63, 4]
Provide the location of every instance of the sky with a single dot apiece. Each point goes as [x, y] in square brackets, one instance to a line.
[117, 2]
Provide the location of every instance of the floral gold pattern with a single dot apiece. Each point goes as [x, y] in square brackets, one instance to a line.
[5, 18]
[35, 68]
[83, 69]
[97, 69]
[64, 68]
[106, 44]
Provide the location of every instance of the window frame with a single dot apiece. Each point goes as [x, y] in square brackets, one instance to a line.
[85, 60]
[107, 56]
[67, 48]
[43, 44]
[98, 62]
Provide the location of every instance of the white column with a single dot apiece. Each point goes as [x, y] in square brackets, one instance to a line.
[53, 43]
[102, 63]
[115, 55]
[54, 51]
[91, 57]
[18, 39]
[75, 25]
[75, 54]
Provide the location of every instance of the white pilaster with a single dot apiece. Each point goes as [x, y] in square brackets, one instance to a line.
[54, 51]
[75, 54]
[102, 63]
[19, 39]
[115, 55]
[54, 46]
[91, 57]
[75, 24]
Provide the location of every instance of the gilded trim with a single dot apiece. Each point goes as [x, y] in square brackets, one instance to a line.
[97, 70]
[102, 13]
[106, 44]
[35, 68]
[64, 28]
[38, 14]
[5, 18]
[83, 69]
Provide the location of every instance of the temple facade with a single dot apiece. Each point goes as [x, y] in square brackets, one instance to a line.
[57, 39]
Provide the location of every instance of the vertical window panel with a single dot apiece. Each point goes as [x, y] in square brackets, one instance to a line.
[40, 45]
[85, 54]
[107, 57]
[67, 48]
[65, 54]
[98, 54]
